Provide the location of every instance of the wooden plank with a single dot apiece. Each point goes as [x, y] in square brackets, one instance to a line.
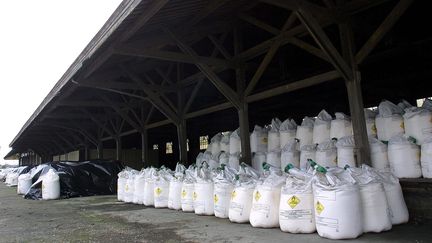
[324, 42]
[154, 98]
[382, 30]
[170, 56]
[220, 47]
[230, 94]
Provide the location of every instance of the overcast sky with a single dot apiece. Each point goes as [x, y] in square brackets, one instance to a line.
[39, 40]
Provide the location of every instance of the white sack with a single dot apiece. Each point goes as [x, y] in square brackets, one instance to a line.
[379, 155]
[24, 183]
[290, 155]
[258, 160]
[307, 152]
[346, 152]
[274, 158]
[326, 154]
[389, 121]
[426, 158]
[235, 142]
[418, 123]
[370, 122]
[51, 185]
[273, 142]
[287, 132]
[304, 133]
[259, 139]
[404, 157]
[341, 126]
[321, 129]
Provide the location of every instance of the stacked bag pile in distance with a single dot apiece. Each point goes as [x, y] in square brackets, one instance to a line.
[62, 180]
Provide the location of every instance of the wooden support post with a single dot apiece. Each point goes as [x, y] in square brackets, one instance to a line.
[118, 147]
[100, 150]
[86, 152]
[182, 141]
[243, 114]
[355, 96]
[144, 146]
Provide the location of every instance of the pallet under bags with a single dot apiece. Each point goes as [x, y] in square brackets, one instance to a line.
[241, 197]
[296, 208]
[266, 198]
[223, 187]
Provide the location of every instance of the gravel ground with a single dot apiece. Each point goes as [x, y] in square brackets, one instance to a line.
[102, 219]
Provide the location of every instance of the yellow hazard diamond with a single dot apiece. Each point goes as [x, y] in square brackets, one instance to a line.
[194, 196]
[233, 194]
[374, 129]
[319, 207]
[183, 193]
[215, 198]
[158, 191]
[126, 188]
[264, 140]
[293, 201]
[257, 195]
[402, 125]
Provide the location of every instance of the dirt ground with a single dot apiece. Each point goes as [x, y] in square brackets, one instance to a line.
[103, 219]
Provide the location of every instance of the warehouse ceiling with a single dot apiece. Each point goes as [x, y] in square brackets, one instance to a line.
[156, 62]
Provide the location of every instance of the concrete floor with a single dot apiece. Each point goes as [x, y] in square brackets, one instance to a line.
[102, 219]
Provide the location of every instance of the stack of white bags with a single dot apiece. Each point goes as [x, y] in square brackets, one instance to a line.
[337, 203]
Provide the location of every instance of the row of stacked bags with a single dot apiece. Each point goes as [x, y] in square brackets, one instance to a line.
[337, 203]
[400, 141]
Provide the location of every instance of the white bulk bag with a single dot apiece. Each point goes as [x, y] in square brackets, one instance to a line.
[326, 154]
[199, 159]
[234, 160]
[370, 122]
[321, 129]
[214, 146]
[235, 142]
[174, 194]
[376, 212]
[426, 158]
[149, 187]
[403, 104]
[225, 142]
[129, 188]
[389, 121]
[338, 210]
[224, 158]
[346, 152]
[241, 197]
[24, 183]
[376, 216]
[223, 187]
[418, 123]
[121, 183]
[12, 179]
[203, 192]
[341, 126]
[296, 209]
[258, 160]
[188, 190]
[175, 187]
[50, 185]
[427, 104]
[304, 133]
[307, 152]
[139, 182]
[273, 135]
[266, 199]
[213, 162]
[161, 189]
[287, 132]
[379, 155]
[258, 139]
[398, 209]
[290, 155]
[404, 157]
[274, 158]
